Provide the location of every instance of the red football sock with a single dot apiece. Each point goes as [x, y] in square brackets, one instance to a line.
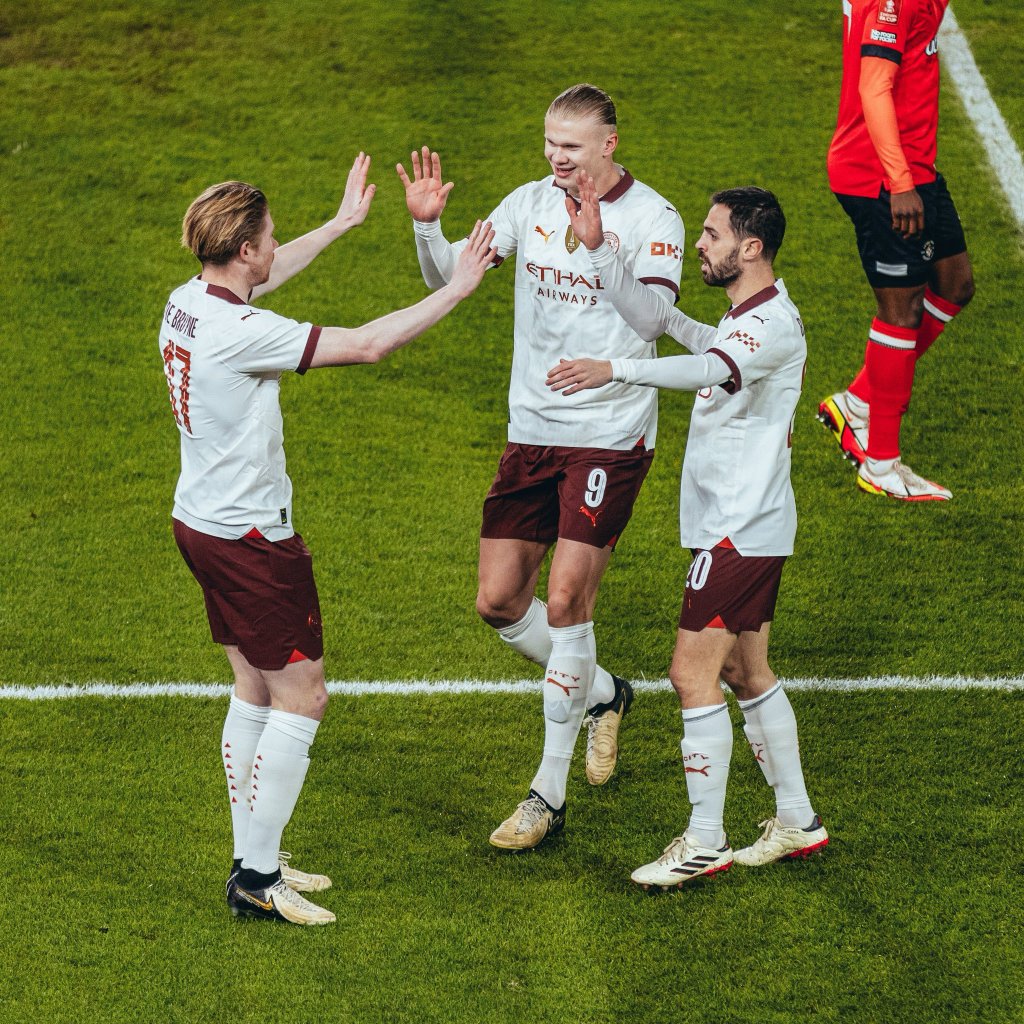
[937, 314]
[890, 365]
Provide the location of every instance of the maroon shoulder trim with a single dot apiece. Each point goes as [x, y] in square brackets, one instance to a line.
[663, 281]
[737, 380]
[619, 189]
[226, 294]
[497, 262]
[758, 299]
[307, 352]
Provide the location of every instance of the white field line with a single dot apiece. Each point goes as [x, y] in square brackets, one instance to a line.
[1003, 154]
[459, 687]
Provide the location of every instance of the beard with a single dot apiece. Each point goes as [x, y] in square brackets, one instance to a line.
[724, 272]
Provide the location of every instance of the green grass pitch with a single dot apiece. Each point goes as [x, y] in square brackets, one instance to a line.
[115, 835]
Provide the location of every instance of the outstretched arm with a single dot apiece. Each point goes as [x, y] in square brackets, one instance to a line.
[339, 346]
[426, 195]
[297, 254]
[679, 373]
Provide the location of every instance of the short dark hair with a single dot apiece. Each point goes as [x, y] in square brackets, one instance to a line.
[754, 213]
[584, 100]
[221, 219]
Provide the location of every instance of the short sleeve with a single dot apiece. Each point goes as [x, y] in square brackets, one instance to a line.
[886, 29]
[267, 343]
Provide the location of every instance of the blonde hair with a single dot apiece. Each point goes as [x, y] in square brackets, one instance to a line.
[221, 219]
[584, 100]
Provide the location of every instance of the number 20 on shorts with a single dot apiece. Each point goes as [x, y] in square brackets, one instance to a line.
[697, 575]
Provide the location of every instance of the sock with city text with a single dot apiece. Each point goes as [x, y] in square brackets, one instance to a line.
[770, 727]
[567, 681]
[531, 638]
[707, 751]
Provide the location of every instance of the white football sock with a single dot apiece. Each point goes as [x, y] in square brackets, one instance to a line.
[243, 726]
[279, 769]
[567, 682]
[707, 750]
[531, 638]
[770, 726]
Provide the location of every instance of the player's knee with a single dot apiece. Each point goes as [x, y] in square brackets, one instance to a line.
[566, 607]
[495, 609]
[963, 290]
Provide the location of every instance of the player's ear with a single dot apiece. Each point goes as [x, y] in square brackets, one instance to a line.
[610, 143]
[753, 248]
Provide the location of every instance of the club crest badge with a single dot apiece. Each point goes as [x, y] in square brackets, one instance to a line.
[613, 240]
[928, 250]
[572, 243]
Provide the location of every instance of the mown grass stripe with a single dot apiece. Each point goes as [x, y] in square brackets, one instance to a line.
[1003, 154]
[459, 687]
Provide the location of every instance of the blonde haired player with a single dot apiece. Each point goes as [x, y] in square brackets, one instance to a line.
[737, 514]
[571, 470]
[223, 357]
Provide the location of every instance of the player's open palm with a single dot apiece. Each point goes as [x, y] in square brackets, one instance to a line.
[355, 203]
[586, 221]
[426, 193]
[474, 259]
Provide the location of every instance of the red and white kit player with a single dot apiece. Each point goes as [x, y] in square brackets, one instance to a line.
[737, 514]
[572, 470]
[223, 358]
[881, 167]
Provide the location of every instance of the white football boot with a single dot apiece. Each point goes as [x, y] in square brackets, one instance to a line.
[899, 482]
[301, 881]
[783, 842]
[848, 427]
[276, 902]
[533, 820]
[683, 860]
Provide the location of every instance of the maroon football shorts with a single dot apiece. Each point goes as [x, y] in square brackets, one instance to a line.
[727, 590]
[260, 595]
[543, 494]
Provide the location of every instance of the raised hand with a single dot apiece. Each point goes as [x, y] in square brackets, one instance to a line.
[474, 259]
[426, 194]
[355, 204]
[586, 222]
[572, 375]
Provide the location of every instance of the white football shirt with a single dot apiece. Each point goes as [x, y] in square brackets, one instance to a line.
[562, 312]
[736, 470]
[223, 359]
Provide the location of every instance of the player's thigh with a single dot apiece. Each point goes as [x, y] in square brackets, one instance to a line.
[522, 502]
[597, 492]
[576, 572]
[507, 577]
[697, 665]
[250, 685]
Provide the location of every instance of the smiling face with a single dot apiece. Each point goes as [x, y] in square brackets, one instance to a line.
[580, 143]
